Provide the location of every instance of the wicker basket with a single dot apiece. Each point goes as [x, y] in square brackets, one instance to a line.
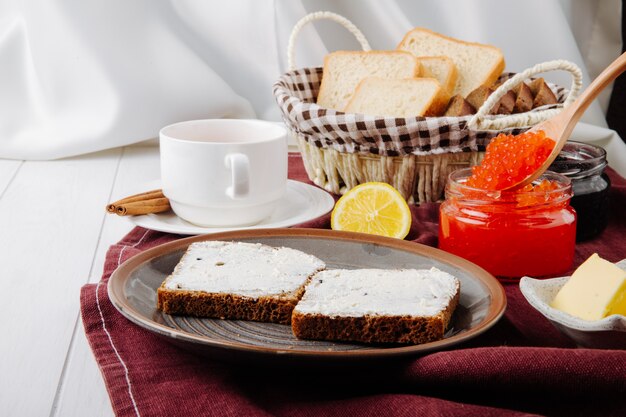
[415, 155]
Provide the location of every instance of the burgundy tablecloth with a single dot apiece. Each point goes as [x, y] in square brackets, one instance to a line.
[521, 366]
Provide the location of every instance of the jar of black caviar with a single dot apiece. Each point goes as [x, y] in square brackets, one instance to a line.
[584, 164]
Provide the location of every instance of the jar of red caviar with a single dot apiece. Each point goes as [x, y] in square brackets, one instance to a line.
[510, 233]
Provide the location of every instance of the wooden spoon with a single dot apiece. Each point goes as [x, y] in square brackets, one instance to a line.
[559, 128]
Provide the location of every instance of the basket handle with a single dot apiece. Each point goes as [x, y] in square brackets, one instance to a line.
[291, 45]
[478, 121]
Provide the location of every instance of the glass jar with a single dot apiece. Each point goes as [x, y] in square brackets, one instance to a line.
[584, 164]
[509, 233]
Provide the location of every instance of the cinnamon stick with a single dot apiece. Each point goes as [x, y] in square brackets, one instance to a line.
[111, 208]
[155, 205]
[149, 202]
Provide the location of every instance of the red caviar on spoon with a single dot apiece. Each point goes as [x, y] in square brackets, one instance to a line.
[510, 159]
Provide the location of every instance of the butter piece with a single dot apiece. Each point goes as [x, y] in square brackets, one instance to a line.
[596, 290]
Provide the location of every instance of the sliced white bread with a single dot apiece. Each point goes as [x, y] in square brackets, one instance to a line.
[344, 70]
[409, 97]
[442, 69]
[477, 64]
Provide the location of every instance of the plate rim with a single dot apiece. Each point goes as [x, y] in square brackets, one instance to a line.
[497, 306]
[327, 201]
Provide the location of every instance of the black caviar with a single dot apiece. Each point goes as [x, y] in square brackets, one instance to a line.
[584, 164]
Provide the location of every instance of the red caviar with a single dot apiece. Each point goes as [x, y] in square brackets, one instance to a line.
[509, 159]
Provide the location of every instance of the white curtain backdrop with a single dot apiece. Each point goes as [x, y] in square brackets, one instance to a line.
[82, 76]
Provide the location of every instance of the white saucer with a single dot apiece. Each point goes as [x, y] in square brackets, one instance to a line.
[302, 202]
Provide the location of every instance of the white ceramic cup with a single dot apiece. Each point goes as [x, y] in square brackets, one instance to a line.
[223, 172]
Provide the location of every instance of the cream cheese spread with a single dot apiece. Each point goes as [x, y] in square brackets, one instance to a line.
[359, 292]
[246, 269]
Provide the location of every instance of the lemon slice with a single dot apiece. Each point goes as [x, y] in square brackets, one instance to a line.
[372, 207]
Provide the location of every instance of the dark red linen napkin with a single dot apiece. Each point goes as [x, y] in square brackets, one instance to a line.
[522, 366]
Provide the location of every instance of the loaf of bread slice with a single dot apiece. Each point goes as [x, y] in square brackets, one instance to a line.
[377, 306]
[344, 70]
[478, 96]
[458, 107]
[442, 69]
[236, 280]
[523, 98]
[409, 97]
[477, 64]
[542, 93]
[506, 104]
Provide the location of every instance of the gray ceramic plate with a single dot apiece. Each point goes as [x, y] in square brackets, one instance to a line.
[132, 289]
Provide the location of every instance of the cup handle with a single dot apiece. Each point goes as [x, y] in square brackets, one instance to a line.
[239, 166]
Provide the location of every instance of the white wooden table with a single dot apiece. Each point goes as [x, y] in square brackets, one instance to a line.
[54, 237]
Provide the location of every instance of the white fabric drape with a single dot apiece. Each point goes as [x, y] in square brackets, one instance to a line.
[77, 77]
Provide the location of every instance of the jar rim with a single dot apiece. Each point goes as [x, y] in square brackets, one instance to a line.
[579, 160]
[462, 174]
[517, 199]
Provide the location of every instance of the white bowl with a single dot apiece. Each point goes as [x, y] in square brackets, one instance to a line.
[608, 333]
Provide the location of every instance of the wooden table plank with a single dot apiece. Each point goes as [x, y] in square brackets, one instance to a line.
[138, 166]
[82, 391]
[50, 217]
[8, 169]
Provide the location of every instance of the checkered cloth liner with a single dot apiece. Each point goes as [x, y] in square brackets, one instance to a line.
[296, 92]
